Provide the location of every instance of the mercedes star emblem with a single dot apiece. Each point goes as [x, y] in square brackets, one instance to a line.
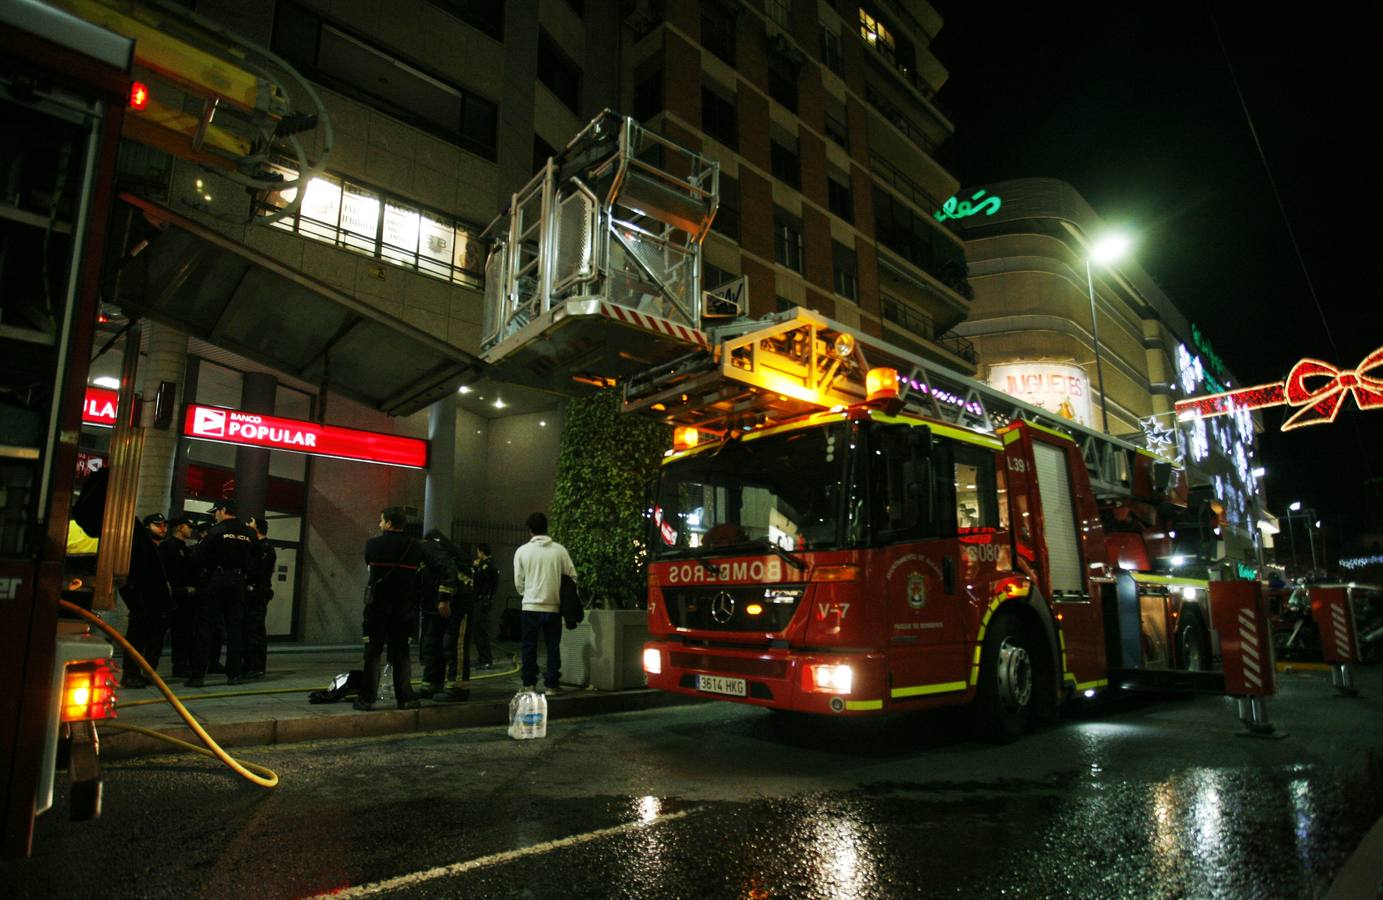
[723, 607]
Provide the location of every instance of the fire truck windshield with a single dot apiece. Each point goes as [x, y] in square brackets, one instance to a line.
[784, 489]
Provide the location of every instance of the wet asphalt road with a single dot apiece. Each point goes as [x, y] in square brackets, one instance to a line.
[1142, 798]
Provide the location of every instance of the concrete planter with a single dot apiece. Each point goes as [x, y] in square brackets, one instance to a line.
[606, 650]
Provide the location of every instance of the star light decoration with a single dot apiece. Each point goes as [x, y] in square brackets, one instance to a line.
[1160, 439]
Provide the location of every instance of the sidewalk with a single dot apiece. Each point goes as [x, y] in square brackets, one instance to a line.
[275, 709]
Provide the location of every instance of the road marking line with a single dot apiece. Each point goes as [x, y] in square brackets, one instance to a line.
[470, 865]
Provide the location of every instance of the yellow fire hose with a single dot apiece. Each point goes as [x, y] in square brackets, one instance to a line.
[248, 771]
[264, 777]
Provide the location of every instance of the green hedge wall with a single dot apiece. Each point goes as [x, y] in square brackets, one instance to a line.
[603, 468]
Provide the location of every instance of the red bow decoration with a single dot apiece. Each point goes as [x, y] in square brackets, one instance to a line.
[1321, 405]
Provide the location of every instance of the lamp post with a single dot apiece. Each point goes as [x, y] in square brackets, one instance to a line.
[1104, 251]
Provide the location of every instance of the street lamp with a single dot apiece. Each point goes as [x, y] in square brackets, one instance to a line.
[1104, 251]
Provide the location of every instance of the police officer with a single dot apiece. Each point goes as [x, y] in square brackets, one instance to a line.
[145, 593]
[438, 607]
[224, 558]
[259, 590]
[484, 581]
[391, 609]
[182, 580]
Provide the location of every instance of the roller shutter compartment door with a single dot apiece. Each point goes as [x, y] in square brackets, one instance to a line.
[1059, 519]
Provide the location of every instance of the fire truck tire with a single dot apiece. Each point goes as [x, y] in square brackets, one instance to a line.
[1193, 642]
[1008, 674]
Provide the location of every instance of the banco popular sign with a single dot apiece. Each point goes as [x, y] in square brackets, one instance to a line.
[230, 426]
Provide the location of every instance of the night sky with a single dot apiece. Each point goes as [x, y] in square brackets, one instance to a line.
[1139, 112]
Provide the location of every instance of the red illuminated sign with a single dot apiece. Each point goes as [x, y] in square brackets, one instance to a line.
[98, 408]
[1316, 389]
[231, 426]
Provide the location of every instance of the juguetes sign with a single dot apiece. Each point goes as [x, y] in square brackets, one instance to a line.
[231, 426]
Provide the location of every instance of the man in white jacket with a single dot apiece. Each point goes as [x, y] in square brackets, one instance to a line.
[538, 569]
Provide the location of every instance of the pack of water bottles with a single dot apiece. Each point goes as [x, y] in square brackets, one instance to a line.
[527, 716]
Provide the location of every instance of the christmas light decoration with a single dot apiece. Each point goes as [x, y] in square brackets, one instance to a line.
[1315, 405]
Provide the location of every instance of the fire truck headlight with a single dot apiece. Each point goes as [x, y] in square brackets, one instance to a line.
[653, 661]
[837, 679]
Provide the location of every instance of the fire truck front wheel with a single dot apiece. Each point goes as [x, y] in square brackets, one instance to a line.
[1004, 699]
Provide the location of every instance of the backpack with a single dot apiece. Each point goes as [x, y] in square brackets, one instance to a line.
[570, 603]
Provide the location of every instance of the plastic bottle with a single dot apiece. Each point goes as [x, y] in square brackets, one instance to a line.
[527, 716]
[386, 684]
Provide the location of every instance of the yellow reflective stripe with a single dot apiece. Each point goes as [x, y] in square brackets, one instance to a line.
[959, 434]
[864, 704]
[979, 638]
[1011, 436]
[813, 419]
[1052, 431]
[1090, 685]
[1061, 636]
[917, 690]
[1143, 578]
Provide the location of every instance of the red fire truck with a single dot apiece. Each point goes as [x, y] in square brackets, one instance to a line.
[917, 540]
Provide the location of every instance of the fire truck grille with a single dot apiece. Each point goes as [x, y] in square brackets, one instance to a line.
[735, 665]
[743, 608]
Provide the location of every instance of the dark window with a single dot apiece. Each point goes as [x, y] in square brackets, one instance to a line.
[542, 152]
[727, 220]
[846, 270]
[831, 56]
[787, 239]
[718, 30]
[648, 97]
[839, 197]
[780, 11]
[782, 81]
[786, 165]
[915, 239]
[560, 74]
[837, 125]
[485, 15]
[345, 62]
[713, 277]
[718, 118]
[782, 304]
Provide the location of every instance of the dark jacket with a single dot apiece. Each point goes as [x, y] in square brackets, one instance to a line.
[485, 578]
[394, 559]
[264, 560]
[437, 581]
[146, 585]
[225, 550]
[179, 567]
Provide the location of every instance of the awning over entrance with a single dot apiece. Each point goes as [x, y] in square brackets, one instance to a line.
[199, 281]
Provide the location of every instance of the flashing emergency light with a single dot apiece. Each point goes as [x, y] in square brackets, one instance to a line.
[685, 438]
[833, 679]
[652, 661]
[881, 383]
[139, 95]
[87, 691]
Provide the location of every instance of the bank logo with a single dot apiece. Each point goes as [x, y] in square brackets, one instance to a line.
[209, 422]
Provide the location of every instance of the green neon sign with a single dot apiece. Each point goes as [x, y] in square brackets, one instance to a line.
[961, 209]
[1203, 345]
